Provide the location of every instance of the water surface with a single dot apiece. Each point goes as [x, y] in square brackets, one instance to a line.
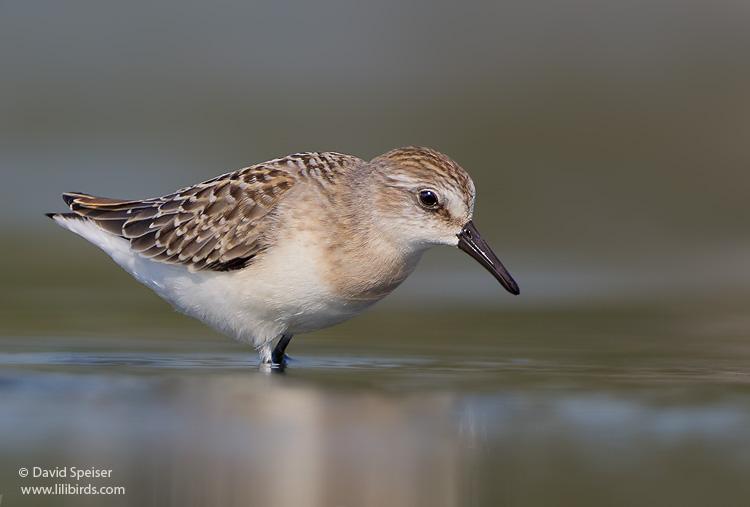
[566, 407]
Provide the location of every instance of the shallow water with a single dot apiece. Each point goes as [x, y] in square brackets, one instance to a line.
[565, 407]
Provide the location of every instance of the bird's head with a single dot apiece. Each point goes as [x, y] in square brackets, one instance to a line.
[428, 199]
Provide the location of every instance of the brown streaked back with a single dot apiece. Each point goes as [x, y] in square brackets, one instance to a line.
[219, 224]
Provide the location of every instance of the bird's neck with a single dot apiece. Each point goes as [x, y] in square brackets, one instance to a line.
[372, 260]
[371, 267]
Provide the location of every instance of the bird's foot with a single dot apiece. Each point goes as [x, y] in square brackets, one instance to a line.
[276, 359]
[280, 360]
[277, 365]
[278, 356]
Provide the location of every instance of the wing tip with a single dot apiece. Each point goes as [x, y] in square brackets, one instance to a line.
[70, 197]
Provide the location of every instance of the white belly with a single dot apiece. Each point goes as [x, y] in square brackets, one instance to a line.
[281, 292]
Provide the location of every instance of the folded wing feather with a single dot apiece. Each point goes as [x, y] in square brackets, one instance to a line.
[218, 224]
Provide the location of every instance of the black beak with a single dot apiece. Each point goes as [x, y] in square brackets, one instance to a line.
[472, 243]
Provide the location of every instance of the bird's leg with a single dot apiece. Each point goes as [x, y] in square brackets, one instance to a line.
[278, 356]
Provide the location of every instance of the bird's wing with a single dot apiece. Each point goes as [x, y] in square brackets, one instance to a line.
[215, 225]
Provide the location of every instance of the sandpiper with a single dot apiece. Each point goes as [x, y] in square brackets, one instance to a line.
[291, 245]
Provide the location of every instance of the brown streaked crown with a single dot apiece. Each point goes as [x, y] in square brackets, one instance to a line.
[431, 164]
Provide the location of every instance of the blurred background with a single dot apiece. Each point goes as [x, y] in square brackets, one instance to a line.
[608, 140]
[610, 145]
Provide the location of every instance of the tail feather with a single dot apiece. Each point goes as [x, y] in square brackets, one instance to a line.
[56, 216]
[108, 214]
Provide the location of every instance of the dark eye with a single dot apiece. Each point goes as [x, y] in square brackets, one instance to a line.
[428, 198]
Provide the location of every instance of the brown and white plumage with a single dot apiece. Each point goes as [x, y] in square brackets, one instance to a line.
[290, 245]
[218, 224]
